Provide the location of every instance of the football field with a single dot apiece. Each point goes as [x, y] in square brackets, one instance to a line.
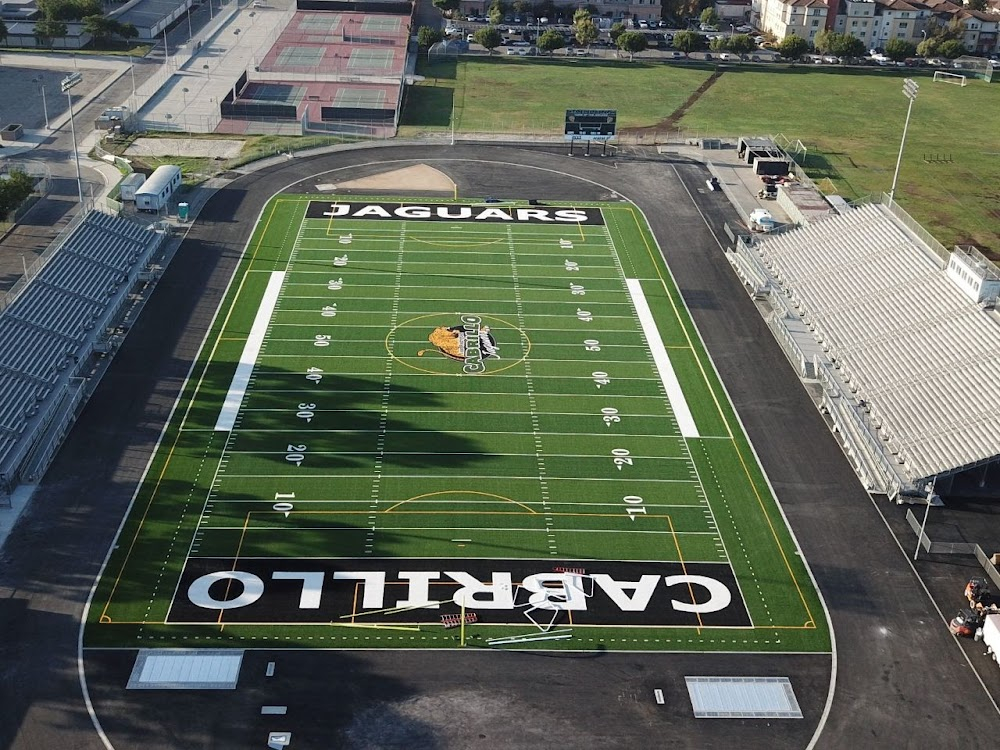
[419, 424]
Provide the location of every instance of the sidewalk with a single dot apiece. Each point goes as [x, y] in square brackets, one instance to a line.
[738, 180]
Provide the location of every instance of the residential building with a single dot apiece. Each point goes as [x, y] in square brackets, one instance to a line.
[875, 22]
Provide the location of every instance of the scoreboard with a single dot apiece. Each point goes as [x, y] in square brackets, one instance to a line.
[590, 124]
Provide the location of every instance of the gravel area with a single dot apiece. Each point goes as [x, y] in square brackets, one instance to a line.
[210, 147]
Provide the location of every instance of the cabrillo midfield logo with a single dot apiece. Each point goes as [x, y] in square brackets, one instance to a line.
[470, 343]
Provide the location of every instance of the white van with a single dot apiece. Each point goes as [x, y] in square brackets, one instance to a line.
[673, 54]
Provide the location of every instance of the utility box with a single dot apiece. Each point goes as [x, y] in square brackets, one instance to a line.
[11, 133]
[128, 186]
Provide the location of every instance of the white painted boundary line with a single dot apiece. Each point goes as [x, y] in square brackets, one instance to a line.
[662, 360]
[241, 378]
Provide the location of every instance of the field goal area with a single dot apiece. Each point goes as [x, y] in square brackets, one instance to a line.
[942, 76]
[429, 425]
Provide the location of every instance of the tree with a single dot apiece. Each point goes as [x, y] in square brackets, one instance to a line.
[69, 10]
[521, 6]
[447, 7]
[951, 48]
[101, 28]
[741, 44]
[976, 5]
[427, 36]
[792, 47]
[928, 47]
[584, 29]
[14, 188]
[128, 31]
[898, 50]
[616, 31]
[632, 42]
[489, 37]
[689, 41]
[849, 46]
[824, 41]
[496, 14]
[718, 43]
[710, 17]
[550, 40]
[46, 30]
[841, 45]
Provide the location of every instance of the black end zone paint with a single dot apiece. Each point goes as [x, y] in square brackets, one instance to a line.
[282, 596]
[493, 213]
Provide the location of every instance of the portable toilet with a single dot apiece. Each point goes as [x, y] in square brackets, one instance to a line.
[156, 191]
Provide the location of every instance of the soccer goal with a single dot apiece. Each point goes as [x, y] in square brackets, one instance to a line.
[945, 77]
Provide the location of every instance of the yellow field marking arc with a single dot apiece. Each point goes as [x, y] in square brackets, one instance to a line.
[725, 419]
[456, 243]
[458, 492]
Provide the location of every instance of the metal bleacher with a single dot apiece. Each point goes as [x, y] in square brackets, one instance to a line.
[49, 331]
[918, 357]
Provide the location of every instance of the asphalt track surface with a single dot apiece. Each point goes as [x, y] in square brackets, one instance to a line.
[900, 680]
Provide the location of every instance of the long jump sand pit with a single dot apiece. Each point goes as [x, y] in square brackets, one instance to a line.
[209, 147]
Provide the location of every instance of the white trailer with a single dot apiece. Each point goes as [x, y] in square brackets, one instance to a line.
[156, 191]
[991, 636]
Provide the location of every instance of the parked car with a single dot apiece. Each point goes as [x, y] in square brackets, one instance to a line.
[744, 29]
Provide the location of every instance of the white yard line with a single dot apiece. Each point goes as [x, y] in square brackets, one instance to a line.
[241, 378]
[679, 405]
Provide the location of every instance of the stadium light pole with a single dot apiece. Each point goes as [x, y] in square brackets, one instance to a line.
[910, 89]
[45, 106]
[67, 85]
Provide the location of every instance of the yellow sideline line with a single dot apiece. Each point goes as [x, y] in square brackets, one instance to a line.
[180, 426]
[725, 420]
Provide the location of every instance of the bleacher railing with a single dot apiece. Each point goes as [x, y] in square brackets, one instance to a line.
[39, 263]
[911, 224]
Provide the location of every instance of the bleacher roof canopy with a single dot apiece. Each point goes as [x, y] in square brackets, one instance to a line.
[147, 14]
[921, 355]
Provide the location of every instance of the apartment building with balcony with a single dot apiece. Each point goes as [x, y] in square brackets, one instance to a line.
[875, 22]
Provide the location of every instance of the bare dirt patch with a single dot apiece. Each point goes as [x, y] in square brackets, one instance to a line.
[207, 147]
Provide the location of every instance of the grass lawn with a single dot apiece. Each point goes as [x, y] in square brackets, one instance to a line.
[506, 95]
[850, 120]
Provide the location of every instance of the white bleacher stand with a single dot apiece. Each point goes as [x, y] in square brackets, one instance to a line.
[51, 329]
[913, 347]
